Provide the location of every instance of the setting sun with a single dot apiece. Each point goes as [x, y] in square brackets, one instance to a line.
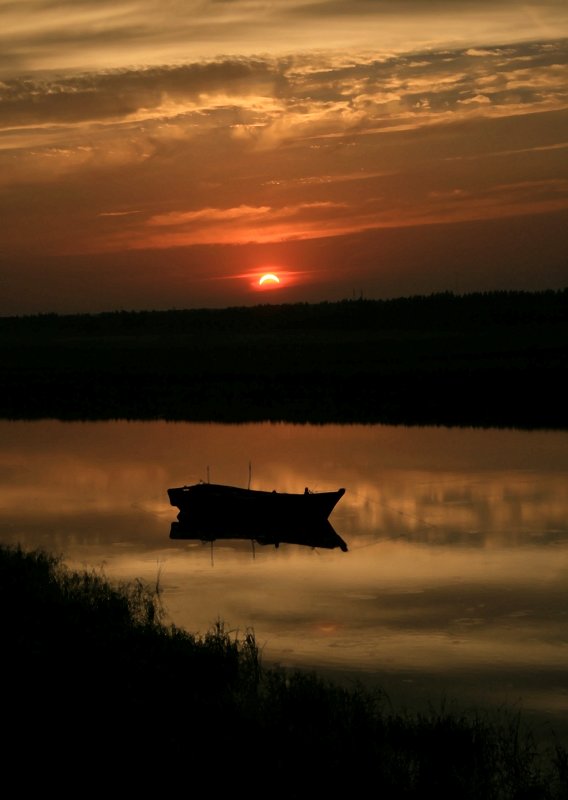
[269, 278]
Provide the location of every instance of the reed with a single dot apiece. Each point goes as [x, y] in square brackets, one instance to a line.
[100, 688]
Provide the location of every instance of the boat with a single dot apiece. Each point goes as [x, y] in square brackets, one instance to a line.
[217, 504]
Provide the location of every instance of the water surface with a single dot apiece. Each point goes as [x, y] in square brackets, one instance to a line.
[455, 583]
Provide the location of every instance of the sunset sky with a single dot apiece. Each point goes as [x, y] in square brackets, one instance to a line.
[167, 153]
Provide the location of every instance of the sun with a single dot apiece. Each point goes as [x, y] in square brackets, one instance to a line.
[269, 278]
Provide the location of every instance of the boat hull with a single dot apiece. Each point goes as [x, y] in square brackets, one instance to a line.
[207, 503]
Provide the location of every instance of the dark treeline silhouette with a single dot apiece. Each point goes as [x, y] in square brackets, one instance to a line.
[482, 359]
[442, 311]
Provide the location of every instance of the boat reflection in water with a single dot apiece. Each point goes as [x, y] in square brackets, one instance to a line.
[315, 533]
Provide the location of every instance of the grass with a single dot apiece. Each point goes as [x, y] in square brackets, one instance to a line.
[102, 694]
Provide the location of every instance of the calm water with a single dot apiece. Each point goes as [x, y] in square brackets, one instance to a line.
[455, 583]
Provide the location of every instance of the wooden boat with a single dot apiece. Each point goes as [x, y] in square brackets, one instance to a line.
[214, 504]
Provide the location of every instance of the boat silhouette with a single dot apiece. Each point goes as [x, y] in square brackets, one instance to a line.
[212, 511]
[219, 502]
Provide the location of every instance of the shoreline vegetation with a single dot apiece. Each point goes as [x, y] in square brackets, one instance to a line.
[494, 359]
[98, 686]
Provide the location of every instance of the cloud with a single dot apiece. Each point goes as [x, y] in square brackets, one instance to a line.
[118, 95]
[279, 149]
[303, 221]
[210, 215]
[240, 214]
[90, 35]
[119, 213]
[267, 101]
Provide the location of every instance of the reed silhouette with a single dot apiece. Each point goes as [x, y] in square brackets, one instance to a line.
[101, 692]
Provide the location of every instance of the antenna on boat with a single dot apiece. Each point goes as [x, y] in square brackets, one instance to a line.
[250, 471]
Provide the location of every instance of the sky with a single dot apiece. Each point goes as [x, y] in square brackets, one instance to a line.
[161, 154]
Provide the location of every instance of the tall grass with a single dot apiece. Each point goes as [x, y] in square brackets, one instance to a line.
[102, 694]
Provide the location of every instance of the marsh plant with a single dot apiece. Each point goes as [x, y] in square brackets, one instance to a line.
[100, 689]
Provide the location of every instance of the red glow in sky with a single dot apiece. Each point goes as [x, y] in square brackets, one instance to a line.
[421, 150]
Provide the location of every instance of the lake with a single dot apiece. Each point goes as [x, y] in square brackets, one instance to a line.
[454, 587]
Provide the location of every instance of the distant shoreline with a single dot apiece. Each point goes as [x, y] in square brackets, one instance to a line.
[483, 360]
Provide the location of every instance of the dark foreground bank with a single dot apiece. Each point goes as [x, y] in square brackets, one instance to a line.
[100, 694]
[488, 359]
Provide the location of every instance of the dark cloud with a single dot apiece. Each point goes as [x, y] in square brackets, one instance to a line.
[367, 7]
[105, 95]
[44, 35]
[427, 81]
